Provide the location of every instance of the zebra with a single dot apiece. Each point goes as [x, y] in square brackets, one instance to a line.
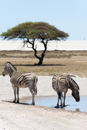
[61, 84]
[21, 80]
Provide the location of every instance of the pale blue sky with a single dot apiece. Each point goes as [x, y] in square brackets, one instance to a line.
[69, 16]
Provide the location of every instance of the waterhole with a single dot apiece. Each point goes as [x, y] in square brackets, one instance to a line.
[70, 103]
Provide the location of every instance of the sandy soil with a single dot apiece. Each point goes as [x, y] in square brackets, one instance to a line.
[21, 116]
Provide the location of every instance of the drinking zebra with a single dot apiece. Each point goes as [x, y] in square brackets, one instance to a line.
[19, 80]
[61, 84]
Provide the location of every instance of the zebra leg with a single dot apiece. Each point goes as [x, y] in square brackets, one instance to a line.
[64, 99]
[58, 103]
[17, 94]
[14, 89]
[61, 103]
[33, 96]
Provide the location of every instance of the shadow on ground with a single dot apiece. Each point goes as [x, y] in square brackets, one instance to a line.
[39, 65]
[16, 102]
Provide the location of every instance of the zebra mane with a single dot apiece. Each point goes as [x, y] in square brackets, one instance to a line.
[12, 65]
[73, 83]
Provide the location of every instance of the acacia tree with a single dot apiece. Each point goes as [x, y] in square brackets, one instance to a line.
[29, 32]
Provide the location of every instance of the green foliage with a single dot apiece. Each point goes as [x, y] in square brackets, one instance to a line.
[34, 30]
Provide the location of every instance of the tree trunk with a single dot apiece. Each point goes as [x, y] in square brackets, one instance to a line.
[40, 61]
[43, 53]
[41, 58]
[35, 51]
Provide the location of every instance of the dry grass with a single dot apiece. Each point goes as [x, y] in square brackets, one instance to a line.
[55, 62]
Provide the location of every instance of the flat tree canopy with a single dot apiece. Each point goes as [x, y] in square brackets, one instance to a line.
[31, 31]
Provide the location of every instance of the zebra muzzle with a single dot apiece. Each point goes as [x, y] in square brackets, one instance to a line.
[3, 74]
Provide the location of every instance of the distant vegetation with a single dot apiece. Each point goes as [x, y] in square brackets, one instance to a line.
[55, 62]
[49, 54]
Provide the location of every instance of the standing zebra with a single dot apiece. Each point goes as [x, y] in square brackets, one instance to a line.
[61, 84]
[19, 80]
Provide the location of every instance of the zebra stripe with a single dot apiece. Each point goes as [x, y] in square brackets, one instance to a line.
[73, 83]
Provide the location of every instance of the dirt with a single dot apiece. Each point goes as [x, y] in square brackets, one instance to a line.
[22, 116]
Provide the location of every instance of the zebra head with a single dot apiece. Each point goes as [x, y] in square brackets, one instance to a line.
[9, 68]
[75, 94]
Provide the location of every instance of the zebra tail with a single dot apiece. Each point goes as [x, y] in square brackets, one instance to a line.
[59, 90]
[35, 84]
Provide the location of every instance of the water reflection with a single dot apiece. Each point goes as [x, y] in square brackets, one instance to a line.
[71, 104]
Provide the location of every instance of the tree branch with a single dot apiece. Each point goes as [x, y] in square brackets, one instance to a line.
[35, 50]
[26, 42]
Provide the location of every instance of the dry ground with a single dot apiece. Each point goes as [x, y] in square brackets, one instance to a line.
[71, 62]
[22, 116]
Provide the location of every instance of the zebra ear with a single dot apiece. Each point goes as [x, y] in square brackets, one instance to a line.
[5, 63]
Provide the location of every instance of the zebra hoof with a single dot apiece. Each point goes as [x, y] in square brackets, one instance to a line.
[32, 103]
[57, 106]
[61, 106]
[17, 101]
[13, 101]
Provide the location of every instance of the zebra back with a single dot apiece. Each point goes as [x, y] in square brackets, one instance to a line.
[60, 83]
